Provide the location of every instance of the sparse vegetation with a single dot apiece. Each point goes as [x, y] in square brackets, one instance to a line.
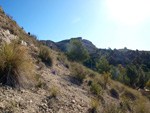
[95, 102]
[118, 86]
[45, 55]
[41, 65]
[106, 78]
[63, 59]
[91, 73]
[111, 108]
[53, 92]
[125, 105]
[16, 68]
[142, 106]
[40, 84]
[11, 25]
[130, 95]
[78, 71]
[20, 39]
[13, 103]
[96, 88]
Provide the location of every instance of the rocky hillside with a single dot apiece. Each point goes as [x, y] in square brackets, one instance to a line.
[70, 97]
[58, 86]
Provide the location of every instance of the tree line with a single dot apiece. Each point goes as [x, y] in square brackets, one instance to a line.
[134, 73]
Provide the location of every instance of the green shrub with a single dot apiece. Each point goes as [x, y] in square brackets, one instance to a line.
[77, 52]
[102, 65]
[78, 71]
[45, 55]
[16, 68]
[96, 88]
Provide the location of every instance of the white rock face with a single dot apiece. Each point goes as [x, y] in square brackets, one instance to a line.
[23, 43]
[6, 37]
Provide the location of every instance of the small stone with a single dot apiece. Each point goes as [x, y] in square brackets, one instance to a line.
[44, 101]
[45, 105]
[73, 101]
[17, 105]
[83, 105]
[30, 101]
[22, 91]
[22, 105]
[78, 106]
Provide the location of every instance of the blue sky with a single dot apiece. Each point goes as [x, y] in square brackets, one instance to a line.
[107, 23]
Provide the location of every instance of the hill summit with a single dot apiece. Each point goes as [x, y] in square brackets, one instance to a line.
[62, 45]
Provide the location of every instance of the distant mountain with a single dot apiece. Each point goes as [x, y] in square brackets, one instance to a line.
[49, 43]
[62, 45]
[117, 56]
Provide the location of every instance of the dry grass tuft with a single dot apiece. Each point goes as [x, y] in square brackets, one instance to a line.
[99, 79]
[118, 86]
[131, 94]
[95, 102]
[111, 108]
[142, 105]
[91, 73]
[53, 92]
[63, 59]
[78, 71]
[45, 55]
[16, 67]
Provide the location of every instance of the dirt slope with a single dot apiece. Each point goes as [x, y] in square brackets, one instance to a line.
[71, 98]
